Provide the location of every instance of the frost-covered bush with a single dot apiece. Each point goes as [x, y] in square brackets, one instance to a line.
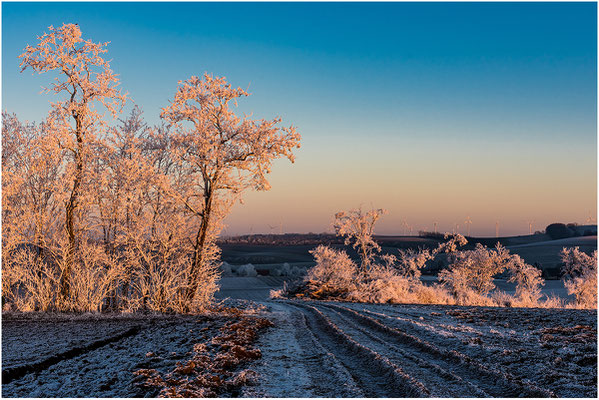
[246, 270]
[283, 270]
[226, 269]
[580, 276]
[334, 273]
[381, 285]
[410, 262]
[473, 270]
[528, 282]
[298, 271]
[470, 277]
[452, 242]
[33, 283]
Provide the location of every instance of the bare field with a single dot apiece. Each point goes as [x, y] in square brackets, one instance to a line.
[315, 349]
[547, 253]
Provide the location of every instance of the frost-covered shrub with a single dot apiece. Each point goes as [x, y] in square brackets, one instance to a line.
[298, 271]
[552, 301]
[528, 282]
[380, 285]
[246, 270]
[473, 270]
[283, 270]
[580, 276]
[470, 277]
[34, 282]
[334, 273]
[435, 294]
[410, 262]
[226, 269]
[452, 242]
[97, 276]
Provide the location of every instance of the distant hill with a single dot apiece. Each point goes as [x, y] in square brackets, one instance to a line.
[274, 250]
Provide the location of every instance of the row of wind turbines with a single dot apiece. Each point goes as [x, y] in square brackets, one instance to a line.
[408, 229]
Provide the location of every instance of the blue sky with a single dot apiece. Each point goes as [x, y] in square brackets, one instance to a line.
[434, 111]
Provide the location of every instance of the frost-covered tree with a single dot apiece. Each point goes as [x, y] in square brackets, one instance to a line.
[358, 229]
[580, 276]
[87, 87]
[31, 200]
[220, 155]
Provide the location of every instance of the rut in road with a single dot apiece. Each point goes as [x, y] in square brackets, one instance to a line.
[373, 373]
[436, 375]
[480, 377]
[10, 374]
[329, 377]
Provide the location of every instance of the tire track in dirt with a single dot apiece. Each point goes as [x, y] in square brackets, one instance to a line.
[10, 374]
[414, 362]
[328, 382]
[373, 373]
[502, 384]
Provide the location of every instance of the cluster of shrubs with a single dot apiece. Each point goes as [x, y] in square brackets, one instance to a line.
[468, 279]
[249, 270]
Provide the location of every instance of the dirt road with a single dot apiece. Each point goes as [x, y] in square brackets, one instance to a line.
[326, 349]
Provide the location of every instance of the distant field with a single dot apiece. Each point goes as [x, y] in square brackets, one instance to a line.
[533, 248]
[546, 253]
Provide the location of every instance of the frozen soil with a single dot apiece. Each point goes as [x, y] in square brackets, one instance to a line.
[332, 349]
[96, 356]
[315, 349]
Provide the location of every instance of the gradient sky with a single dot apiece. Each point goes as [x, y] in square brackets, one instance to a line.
[433, 111]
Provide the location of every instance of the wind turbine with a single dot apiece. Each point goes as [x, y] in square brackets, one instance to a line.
[404, 225]
[530, 225]
[435, 225]
[496, 229]
[468, 222]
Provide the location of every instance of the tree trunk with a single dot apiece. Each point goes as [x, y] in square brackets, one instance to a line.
[199, 253]
[71, 207]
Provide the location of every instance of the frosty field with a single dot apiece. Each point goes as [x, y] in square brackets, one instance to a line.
[315, 349]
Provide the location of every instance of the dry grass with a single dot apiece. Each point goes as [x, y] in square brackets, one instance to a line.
[213, 370]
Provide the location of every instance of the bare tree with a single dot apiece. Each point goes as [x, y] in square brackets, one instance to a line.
[85, 79]
[358, 229]
[220, 155]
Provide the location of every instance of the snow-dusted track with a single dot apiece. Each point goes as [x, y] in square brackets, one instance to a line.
[366, 350]
[441, 371]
